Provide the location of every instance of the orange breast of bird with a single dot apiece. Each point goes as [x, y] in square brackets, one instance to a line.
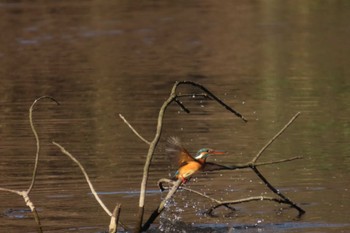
[189, 169]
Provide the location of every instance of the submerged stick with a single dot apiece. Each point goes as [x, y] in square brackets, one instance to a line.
[162, 204]
[113, 225]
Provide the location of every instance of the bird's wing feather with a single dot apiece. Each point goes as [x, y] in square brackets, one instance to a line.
[176, 152]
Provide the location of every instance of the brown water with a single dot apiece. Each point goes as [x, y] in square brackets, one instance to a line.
[268, 59]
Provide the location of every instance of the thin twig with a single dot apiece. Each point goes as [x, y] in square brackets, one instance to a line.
[64, 151]
[182, 106]
[93, 191]
[133, 129]
[243, 200]
[275, 137]
[11, 191]
[36, 138]
[278, 161]
[214, 97]
[249, 164]
[203, 95]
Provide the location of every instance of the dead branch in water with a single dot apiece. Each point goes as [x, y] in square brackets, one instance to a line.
[251, 164]
[174, 185]
[173, 97]
[25, 194]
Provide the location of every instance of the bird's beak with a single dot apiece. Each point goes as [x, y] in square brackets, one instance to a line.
[218, 152]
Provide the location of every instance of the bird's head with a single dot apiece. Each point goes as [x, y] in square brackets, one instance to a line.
[205, 152]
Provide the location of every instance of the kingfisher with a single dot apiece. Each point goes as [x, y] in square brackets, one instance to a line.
[187, 164]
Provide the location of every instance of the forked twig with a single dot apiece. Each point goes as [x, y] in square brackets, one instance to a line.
[275, 137]
[25, 194]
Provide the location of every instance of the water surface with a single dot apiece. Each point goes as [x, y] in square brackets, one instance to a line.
[268, 59]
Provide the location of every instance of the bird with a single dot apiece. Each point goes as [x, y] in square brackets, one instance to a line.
[188, 165]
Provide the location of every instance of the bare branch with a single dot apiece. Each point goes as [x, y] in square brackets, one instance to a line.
[203, 95]
[182, 106]
[274, 138]
[214, 97]
[29, 203]
[278, 161]
[36, 138]
[249, 164]
[133, 129]
[11, 191]
[64, 151]
[248, 199]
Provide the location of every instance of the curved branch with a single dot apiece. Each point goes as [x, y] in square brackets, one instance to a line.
[93, 191]
[214, 97]
[36, 138]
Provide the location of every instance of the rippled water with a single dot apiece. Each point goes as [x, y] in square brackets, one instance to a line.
[268, 59]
